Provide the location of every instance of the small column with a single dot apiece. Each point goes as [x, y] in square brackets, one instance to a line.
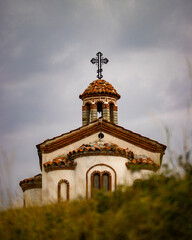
[93, 112]
[115, 115]
[106, 112]
[84, 115]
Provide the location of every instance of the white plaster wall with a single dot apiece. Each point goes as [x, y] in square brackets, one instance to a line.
[77, 178]
[85, 163]
[50, 184]
[124, 176]
[33, 197]
[136, 150]
[50, 156]
[51, 179]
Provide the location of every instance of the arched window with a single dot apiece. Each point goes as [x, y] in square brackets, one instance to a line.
[99, 109]
[63, 190]
[100, 181]
[111, 112]
[88, 112]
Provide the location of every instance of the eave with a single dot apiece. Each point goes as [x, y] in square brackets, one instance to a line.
[117, 131]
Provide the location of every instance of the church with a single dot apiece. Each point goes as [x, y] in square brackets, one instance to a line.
[99, 155]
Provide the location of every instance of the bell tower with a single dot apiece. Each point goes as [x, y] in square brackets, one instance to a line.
[99, 100]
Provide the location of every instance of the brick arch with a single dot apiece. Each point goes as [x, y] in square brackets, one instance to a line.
[103, 172]
[112, 101]
[106, 172]
[59, 189]
[87, 102]
[99, 100]
[137, 180]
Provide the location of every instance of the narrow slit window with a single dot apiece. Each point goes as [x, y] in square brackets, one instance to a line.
[96, 181]
[99, 109]
[105, 182]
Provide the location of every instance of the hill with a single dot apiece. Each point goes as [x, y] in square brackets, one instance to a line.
[157, 208]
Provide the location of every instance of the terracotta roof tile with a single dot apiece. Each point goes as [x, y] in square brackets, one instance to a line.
[30, 183]
[142, 162]
[59, 163]
[100, 148]
[99, 86]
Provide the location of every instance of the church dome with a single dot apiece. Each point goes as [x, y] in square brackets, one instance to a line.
[99, 87]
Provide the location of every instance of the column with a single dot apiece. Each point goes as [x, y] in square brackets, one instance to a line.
[106, 112]
[93, 112]
[115, 115]
[84, 116]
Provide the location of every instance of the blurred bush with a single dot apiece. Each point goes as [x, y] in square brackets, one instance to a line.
[157, 208]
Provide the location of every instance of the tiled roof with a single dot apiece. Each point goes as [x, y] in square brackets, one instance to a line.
[30, 183]
[100, 148]
[59, 163]
[99, 87]
[142, 162]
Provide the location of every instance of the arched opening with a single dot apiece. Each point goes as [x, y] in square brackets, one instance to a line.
[89, 178]
[111, 112]
[100, 181]
[63, 190]
[88, 112]
[99, 109]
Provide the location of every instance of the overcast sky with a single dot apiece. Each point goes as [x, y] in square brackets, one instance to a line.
[45, 52]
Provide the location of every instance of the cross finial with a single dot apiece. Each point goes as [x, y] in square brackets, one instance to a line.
[99, 60]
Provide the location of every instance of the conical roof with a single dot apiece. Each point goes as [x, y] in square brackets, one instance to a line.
[99, 87]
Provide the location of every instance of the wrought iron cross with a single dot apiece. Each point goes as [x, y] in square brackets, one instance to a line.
[99, 60]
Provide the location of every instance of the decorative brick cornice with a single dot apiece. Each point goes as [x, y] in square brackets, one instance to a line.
[142, 163]
[112, 129]
[31, 183]
[59, 163]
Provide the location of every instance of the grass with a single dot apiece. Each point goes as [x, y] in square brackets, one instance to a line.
[156, 208]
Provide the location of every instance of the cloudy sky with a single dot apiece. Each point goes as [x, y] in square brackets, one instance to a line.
[45, 52]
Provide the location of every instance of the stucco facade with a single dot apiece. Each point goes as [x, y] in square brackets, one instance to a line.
[99, 155]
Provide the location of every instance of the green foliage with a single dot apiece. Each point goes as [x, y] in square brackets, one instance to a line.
[157, 208]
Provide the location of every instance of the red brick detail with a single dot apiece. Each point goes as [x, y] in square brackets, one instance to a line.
[93, 106]
[115, 108]
[106, 106]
